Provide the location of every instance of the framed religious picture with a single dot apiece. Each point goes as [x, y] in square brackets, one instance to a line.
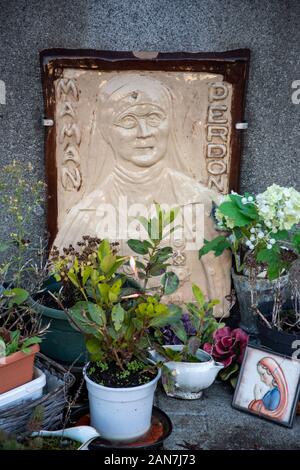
[268, 386]
[127, 129]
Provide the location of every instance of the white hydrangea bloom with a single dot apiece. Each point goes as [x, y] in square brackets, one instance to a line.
[279, 207]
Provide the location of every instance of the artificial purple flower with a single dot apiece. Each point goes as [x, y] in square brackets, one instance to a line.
[171, 338]
[228, 345]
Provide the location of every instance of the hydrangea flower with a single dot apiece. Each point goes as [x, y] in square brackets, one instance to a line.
[279, 207]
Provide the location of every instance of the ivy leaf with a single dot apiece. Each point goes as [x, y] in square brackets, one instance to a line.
[170, 282]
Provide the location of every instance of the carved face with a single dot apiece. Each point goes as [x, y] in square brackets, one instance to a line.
[140, 134]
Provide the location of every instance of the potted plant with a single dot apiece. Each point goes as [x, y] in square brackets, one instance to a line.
[279, 319]
[257, 231]
[188, 370]
[62, 341]
[119, 324]
[69, 439]
[17, 348]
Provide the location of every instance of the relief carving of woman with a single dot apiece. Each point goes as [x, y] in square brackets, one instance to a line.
[136, 116]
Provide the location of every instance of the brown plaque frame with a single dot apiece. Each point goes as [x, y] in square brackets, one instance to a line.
[233, 65]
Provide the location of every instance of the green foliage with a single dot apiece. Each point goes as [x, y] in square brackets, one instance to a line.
[155, 259]
[229, 372]
[218, 245]
[119, 317]
[18, 186]
[15, 296]
[247, 233]
[14, 342]
[170, 282]
[200, 315]
[296, 242]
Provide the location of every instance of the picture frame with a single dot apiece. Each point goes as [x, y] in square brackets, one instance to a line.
[268, 386]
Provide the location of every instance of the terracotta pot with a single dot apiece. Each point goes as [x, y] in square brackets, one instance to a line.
[17, 369]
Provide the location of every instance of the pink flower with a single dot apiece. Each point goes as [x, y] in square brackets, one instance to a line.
[228, 345]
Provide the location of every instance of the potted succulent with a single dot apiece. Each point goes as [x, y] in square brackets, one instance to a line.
[119, 324]
[279, 319]
[188, 370]
[257, 231]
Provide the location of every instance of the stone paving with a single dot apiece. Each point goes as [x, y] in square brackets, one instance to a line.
[211, 423]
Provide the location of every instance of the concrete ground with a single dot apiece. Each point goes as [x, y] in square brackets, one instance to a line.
[210, 423]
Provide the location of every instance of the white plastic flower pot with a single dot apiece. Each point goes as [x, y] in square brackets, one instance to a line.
[121, 414]
[29, 391]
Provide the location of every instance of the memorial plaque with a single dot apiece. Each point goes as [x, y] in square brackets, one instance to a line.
[133, 128]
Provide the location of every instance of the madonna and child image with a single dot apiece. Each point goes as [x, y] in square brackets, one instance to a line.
[268, 386]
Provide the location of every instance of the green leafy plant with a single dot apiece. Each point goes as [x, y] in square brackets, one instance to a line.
[19, 327]
[155, 258]
[18, 254]
[13, 341]
[118, 315]
[258, 230]
[202, 325]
